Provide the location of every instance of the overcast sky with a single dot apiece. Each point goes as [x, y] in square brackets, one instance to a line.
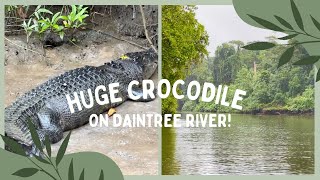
[223, 25]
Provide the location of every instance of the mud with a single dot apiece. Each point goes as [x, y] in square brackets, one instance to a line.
[135, 150]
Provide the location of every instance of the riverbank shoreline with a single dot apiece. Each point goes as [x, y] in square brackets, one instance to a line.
[265, 112]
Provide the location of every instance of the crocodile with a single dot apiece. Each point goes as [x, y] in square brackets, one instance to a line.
[47, 107]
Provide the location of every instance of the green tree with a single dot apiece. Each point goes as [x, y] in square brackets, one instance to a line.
[268, 87]
[184, 42]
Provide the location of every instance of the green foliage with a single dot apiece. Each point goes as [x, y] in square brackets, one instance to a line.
[302, 102]
[71, 171]
[26, 172]
[184, 42]
[42, 158]
[76, 17]
[13, 145]
[28, 28]
[51, 24]
[308, 60]
[34, 135]
[169, 105]
[268, 88]
[287, 55]
[259, 46]
[189, 106]
[43, 20]
[10, 8]
[62, 149]
[101, 176]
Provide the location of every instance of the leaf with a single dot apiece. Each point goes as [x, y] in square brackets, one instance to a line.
[80, 13]
[61, 35]
[55, 18]
[42, 160]
[24, 24]
[48, 145]
[29, 22]
[71, 172]
[111, 111]
[283, 22]
[315, 22]
[318, 75]
[56, 26]
[37, 8]
[44, 11]
[297, 15]
[123, 57]
[64, 17]
[34, 135]
[26, 172]
[62, 149]
[101, 177]
[37, 15]
[74, 9]
[13, 145]
[44, 28]
[80, 19]
[308, 60]
[82, 175]
[259, 46]
[288, 37]
[73, 13]
[266, 24]
[286, 56]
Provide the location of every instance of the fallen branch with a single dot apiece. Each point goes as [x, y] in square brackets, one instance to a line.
[25, 48]
[145, 29]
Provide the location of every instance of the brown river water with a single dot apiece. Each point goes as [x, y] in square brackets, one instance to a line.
[253, 145]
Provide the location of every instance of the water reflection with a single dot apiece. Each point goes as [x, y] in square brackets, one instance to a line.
[252, 145]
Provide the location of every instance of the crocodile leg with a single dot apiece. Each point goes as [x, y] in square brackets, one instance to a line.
[49, 126]
[49, 122]
[138, 92]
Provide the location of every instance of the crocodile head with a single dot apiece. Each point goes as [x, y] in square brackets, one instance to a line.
[147, 60]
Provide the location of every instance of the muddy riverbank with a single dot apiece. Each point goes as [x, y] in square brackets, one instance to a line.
[135, 150]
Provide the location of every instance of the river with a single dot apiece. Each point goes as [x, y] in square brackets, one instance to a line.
[253, 145]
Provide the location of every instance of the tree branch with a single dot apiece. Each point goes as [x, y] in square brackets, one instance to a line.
[145, 29]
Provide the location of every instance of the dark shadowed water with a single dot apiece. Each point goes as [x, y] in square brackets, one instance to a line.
[252, 145]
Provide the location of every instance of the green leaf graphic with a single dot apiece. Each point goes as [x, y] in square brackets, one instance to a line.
[71, 172]
[297, 15]
[286, 56]
[283, 22]
[101, 177]
[266, 24]
[42, 160]
[82, 175]
[259, 46]
[288, 37]
[62, 149]
[308, 60]
[13, 145]
[318, 75]
[315, 22]
[26, 172]
[34, 135]
[48, 145]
